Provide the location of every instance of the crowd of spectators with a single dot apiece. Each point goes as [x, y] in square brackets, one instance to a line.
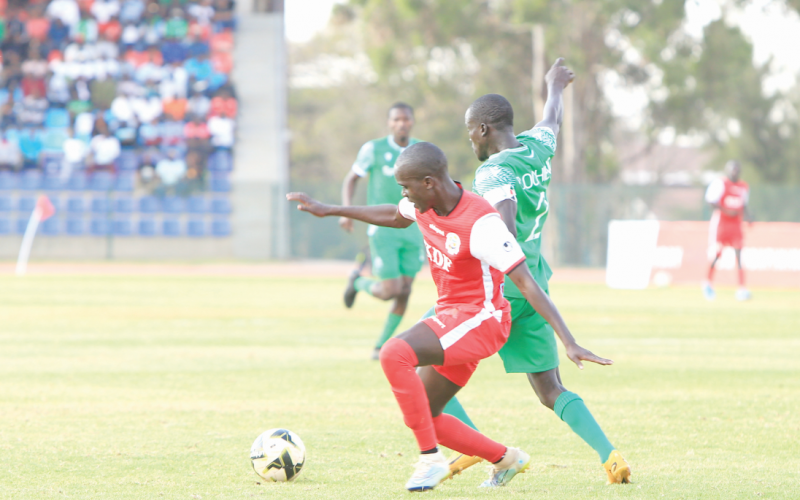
[87, 83]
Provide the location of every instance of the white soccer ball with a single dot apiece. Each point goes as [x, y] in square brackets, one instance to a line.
[278, 455]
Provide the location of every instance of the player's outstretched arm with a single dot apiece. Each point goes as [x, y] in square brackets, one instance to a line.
[557, 79]
[378, 215]
[542, 304]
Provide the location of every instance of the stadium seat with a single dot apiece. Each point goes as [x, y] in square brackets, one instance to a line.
[50, 227]
[124, 182]
[57, 118]
[31, 180]
[8, 180]
[52, 161]
[172, 205]
[196, 228]
[123, 205]
[75, 227]
[122, 227]
[5, 226]
[101, 205]
[77, 182]
[128, 161]
[26, 204]
[220, 227]
[220, 206]
[53, 182]
[22, 224]
[75, 205]
[5, 204]
[220, 161]
[220, 183]
[196, 205]
[102, 181]
[101, 227]
[147, 227]
[171, 227]
[148, 205]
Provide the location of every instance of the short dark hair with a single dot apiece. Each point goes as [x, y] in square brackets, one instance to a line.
[493, 109]
[402, 105]
[423, 159]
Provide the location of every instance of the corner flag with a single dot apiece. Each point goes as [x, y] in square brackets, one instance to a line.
[43, 211]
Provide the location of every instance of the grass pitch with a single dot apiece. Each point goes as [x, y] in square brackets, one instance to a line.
[155, 387]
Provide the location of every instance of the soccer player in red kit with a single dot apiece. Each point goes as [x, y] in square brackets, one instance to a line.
[469, 249]
[729, 198]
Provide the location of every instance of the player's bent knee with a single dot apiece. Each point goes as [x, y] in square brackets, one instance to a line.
[395, 353]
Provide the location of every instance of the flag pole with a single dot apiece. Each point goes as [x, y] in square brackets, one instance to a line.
[27, 241]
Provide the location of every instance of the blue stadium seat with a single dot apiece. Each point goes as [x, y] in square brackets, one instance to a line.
[125, 182]
[123, 205]
[122, 227]
[51, 162]
[77, 182]
[75, 227]
[57, 118]
[22, 224]
[148, 205]
[220, 206]
[102, 181]
[220, 182]
[196, 228]
[100, 227]
[5, 204]
[101, 205]
[220, 227]
[171, 227]
[220, 161]
[26, 204]
[196, 205]
[8, 180]
[75, 205]
[5, 226]
[31, 180]
[52, 182]
[128, 161]
[50, 227]
[172, 205]
[147, 227]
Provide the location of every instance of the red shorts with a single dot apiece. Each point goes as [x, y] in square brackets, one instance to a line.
[729, 234]
[467, 336]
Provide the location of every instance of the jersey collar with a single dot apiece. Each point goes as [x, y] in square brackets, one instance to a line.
[394, 145]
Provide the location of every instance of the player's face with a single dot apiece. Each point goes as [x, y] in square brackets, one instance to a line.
[476, 137]
[734, 170]
[416, 190]
[401, 121]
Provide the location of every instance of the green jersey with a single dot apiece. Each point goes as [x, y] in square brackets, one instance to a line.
[376, 159]
[522, 174]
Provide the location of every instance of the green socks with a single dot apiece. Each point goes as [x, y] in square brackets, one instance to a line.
[364, 284]
[570, 408]
[455, 409]
[392, 322]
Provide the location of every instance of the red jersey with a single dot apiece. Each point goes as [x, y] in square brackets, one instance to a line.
[732, 196]
[469, 250]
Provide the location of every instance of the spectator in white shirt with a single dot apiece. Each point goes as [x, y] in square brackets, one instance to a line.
[104, 10]
[147, 108]
[222, 131]
[105, 150]
[171, 169]
[198, 105]
[66, 10]
[75, 151]
[10, 154]
[202, 12]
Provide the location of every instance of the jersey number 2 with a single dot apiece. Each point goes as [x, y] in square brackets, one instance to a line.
[542, 201]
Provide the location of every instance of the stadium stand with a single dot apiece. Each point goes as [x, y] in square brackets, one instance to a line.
[123, 111]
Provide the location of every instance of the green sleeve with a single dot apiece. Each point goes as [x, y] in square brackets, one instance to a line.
[364, 160]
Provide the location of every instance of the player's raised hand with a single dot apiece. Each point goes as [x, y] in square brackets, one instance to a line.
[346, 224]
[559, 75]
[308, 204]
[576, 354]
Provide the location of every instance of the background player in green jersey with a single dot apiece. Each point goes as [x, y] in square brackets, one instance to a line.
[514, 179]
[397, 254]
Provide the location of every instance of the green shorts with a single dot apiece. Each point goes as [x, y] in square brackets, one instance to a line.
[395, 255]
[531, 345]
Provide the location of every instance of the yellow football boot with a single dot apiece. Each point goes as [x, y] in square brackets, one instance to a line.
[458, 462]
[617, 469]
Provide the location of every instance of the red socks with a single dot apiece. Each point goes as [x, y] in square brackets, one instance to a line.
[398, 361]
[462, 438]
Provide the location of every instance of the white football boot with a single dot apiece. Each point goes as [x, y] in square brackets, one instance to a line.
[430, 471]
[743, 294]
[514, 462]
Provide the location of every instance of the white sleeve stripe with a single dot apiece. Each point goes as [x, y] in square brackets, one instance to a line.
[492, 243]
[498, 194]
[407, 209]
[358, 171]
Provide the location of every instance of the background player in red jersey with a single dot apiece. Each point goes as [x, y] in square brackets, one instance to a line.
[469, 249]
[729, 198]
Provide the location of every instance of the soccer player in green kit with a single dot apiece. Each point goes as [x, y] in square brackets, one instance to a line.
[514, 179]
[397, 254]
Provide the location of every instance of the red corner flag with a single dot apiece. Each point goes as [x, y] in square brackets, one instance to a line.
[45, 207]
